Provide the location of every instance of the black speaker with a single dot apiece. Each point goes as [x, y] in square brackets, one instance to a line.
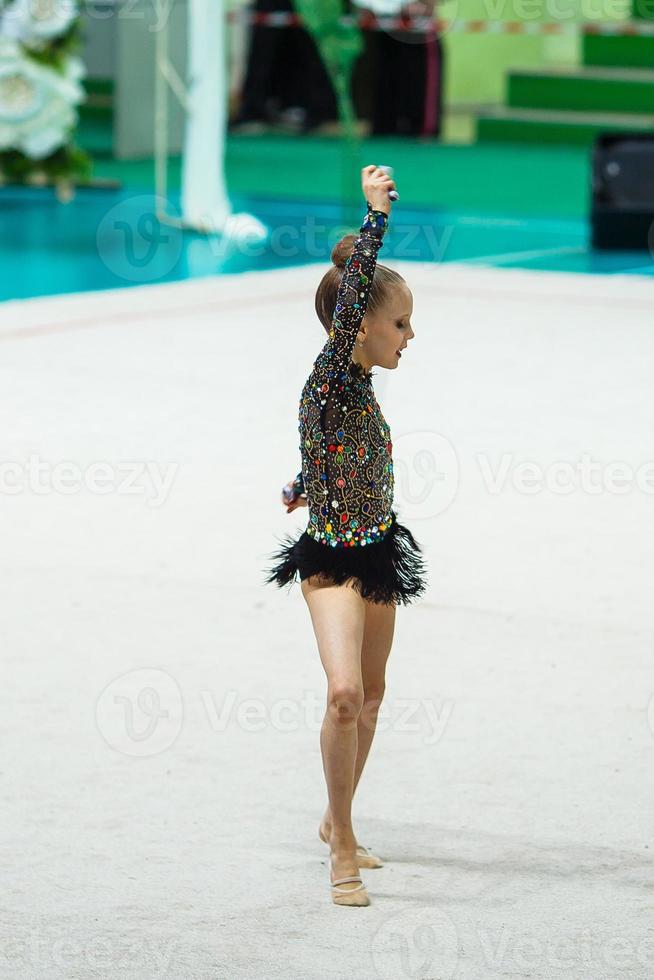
[622, 207]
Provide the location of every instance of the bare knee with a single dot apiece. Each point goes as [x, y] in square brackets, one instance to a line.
[372, 698]
[374, 693]
[344, 702]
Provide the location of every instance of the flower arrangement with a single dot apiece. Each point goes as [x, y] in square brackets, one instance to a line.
[40, 89]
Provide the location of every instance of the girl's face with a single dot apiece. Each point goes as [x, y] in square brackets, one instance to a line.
[388, 331]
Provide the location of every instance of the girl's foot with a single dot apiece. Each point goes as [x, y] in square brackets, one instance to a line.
[365, 857]
[346, 884]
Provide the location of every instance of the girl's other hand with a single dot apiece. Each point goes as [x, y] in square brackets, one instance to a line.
[299, 501]
[376, 184]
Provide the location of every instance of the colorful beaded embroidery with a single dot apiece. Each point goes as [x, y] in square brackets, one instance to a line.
[351, 537]
[345, 441]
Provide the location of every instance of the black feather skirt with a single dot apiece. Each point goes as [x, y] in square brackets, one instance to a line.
[389, 571]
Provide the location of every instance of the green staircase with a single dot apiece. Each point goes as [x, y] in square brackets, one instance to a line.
[613, 91]
[634, 52]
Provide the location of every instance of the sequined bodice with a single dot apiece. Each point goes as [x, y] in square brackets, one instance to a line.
[345, 441]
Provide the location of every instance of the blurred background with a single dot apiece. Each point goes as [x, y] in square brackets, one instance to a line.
[492, 114]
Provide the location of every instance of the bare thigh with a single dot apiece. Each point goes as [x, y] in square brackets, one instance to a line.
[354, 635]
[338, 616]
[378, 635]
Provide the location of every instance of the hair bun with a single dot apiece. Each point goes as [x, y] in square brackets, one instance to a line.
[343, 250]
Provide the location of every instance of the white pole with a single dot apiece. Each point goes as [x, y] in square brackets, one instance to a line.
[204, 195]
[205, 203]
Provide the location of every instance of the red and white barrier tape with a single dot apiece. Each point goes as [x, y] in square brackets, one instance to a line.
[422, 25]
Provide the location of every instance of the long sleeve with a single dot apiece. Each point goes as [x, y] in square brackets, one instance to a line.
[356, 476]
[352, 298]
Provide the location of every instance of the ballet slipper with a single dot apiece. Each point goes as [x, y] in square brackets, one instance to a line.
[348, 896]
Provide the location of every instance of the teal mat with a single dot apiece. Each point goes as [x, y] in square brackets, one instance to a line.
[105, 239]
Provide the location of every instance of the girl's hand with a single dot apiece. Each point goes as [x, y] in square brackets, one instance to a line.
[376, 184]
[298, 502]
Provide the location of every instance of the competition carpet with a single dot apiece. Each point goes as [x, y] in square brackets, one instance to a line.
[162, 774]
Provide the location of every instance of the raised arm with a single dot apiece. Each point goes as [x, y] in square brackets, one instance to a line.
[352, 298]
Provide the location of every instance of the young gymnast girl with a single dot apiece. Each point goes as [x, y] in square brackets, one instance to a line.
[355, 560]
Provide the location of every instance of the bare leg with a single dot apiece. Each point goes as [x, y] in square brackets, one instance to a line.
[377, 642]
[338, 618]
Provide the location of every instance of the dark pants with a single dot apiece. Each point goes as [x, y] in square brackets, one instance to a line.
[407, 84]
[285, 69]
[397, 84]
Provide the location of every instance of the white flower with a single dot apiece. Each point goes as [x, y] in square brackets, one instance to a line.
[35, 22]
[37, 103]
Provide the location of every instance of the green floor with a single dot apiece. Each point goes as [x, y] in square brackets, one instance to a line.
[489, 178]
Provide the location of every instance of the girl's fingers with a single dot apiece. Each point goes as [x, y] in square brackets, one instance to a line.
[384, 179]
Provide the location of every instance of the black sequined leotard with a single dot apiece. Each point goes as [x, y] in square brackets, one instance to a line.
[345, 441]
[347, 463]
